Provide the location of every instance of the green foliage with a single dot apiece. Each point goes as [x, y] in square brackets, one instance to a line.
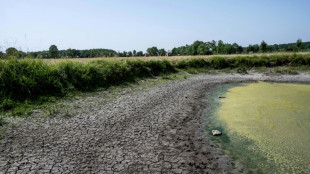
[7, 104]
[21, 80]
[157, 66]
[299, 44]
[153, 51]
[218, 62]
[162, 52]
[74, 53]
[208, 48]
[292, 48]
[204, 49]
[263, 47]
[12, 52]
[252, 48]
[193, 48]
[139, 54]
[53, 51]
[70, 53]
[2, 55]
[242, 70]
[196, 48]
[246, 62]
[192, 63]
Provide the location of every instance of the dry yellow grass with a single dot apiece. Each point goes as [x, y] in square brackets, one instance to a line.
[170, 58]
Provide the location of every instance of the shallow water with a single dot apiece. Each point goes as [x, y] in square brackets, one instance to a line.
[269, 125]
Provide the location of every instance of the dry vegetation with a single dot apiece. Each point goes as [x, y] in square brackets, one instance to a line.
[24, 80]
[170, 58]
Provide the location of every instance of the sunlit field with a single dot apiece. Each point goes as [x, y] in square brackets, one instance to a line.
[170, 58]
[23, 79]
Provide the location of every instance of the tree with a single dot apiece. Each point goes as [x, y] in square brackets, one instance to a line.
[293, 48]
[129, 54]
[53, 51]
[76, 53]
[186, 50]
[276, 47]
[21, 54]
[255, 48]
[234, 48]
[194, 47]
[220, 47]
[299, 44]
[239, 49]
[263, 47]
[249, 49]
[204, 49]
[69, 53]
[153, 51]
[134, 52]
[139, 54]
[269, 48]
[11, 52]
[1, 55]
[162, 52]
[85, 53]
[212, 45]
[229, 49]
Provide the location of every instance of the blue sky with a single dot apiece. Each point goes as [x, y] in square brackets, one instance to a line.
[32, 25]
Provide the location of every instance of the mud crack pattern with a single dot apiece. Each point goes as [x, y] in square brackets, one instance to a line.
[158, 130]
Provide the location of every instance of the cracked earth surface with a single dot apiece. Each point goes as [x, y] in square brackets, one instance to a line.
[157, 130]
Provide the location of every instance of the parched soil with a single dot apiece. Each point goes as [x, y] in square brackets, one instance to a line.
[156, 130]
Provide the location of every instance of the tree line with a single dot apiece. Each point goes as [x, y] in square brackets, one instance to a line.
[197, 48]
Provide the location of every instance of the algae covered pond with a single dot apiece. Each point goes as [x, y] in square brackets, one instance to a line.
[266, 125]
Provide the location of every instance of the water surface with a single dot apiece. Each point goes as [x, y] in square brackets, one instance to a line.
[269, 125]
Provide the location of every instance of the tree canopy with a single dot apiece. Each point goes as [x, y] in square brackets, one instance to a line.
[263, 47]
[153, 51]
[196, 48]
[53, 51]
[12, 52]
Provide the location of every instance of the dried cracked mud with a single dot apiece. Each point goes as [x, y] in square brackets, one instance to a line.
[160, 129]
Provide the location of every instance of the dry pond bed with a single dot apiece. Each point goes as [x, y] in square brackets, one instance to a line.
[160, 129]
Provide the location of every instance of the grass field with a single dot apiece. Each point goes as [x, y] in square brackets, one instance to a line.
[28, 80]
[170, 58]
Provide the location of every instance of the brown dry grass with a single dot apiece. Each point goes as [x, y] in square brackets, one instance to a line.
[170, 58]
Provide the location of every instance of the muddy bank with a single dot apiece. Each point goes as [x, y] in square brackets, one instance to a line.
[156, 130]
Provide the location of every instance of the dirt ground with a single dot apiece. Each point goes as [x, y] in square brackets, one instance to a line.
[160, 129]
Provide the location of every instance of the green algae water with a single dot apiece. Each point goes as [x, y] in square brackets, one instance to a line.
[266, 125]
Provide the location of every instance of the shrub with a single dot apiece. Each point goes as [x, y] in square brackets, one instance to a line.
[192, 63]
[23, 79]
[218, 62]
[32, 79]
[7, 104]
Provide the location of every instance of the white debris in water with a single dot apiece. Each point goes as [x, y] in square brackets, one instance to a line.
[216, 133]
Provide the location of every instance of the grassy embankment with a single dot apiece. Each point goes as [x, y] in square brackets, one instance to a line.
[34, 81]
[170, 58]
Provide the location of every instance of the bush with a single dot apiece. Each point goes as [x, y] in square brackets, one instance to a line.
[32, 79]
[157, 66]
[218, 62]
[23, 79]
[7, 104]
[245, 62]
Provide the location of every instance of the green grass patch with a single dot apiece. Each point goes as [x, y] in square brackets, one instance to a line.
[246, 61]
[32, 80]
[27, 82]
